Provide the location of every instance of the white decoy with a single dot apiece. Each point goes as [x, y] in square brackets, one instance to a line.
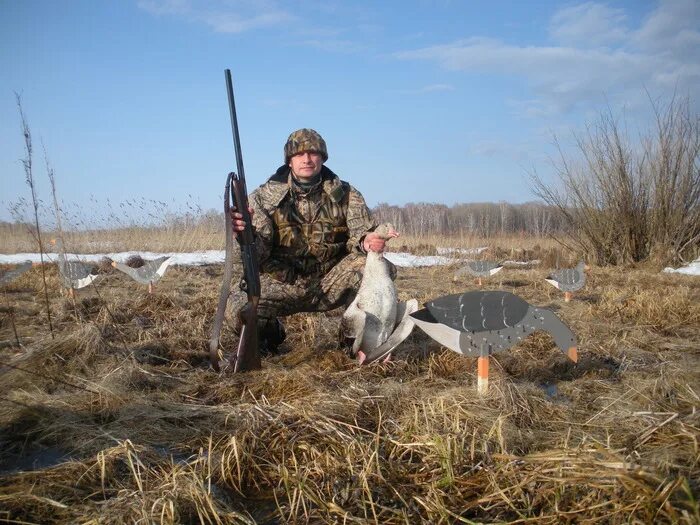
[375, 318]
[479, 323]
[149, 273]
[480, 269]
[74, 274]
[12, 274]
[568, 280]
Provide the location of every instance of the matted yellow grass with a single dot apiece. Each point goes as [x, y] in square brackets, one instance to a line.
[120, 419]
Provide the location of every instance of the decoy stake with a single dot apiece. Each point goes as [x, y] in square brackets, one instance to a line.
[483, 369]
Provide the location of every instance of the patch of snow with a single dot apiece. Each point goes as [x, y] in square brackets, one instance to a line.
[691, 269]
[461, 251]
[203, 257]
[534, 262]
[179, 258]
[401, 259]
[408, 260]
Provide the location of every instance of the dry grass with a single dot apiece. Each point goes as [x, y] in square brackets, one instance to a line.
[16, 239]
[125, 421]
[209, 235]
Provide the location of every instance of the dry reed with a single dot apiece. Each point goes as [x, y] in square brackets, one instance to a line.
[120, 419]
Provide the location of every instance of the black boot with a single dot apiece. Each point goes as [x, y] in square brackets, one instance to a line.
[271, 335]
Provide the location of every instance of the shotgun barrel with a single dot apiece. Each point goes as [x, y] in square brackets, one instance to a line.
[247, 356]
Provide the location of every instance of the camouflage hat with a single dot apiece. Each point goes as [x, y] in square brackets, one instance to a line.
[302, 140]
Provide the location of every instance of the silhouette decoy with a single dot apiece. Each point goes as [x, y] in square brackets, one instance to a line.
[480, 269]
[568, 280]
[149, 273]
[74, 274]
[375, 318]
[480, 323]
[13, 273]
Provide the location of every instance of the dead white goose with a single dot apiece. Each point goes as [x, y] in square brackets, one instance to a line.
[74, 274]
[375, 319]
[149, 273]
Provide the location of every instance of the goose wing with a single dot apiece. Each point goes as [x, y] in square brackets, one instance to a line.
[153, 270]
[75, 270]
[568, 279]
[131, 272]
[403, 329]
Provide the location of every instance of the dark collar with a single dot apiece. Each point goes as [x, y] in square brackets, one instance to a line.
[330, 183]
[282, 174]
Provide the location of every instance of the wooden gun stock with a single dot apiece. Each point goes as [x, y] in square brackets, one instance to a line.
[215, 356]
[247, 357]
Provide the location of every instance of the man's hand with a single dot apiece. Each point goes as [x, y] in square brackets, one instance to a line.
[237, 221]
[374, 242]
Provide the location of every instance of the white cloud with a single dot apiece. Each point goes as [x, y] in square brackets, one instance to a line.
[588, 25]
[223, 16]
[234, 23]
[431, 88]
[165, 7]
[661, 54]
[436, 87]
[337, 45]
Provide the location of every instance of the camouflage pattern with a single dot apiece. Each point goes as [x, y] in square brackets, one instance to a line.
[302, 140]
[306, 233]
[308, 245]
[306, 294]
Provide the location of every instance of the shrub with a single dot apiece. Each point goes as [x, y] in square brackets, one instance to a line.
[626, 202]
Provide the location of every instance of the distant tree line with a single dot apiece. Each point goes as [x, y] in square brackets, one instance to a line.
[485, 219]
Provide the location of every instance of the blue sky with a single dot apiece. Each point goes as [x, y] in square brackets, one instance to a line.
[419, 101]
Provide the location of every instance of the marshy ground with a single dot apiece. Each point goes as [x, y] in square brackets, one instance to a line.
[118, 418]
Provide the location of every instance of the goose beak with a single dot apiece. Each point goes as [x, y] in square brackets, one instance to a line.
[572, 354]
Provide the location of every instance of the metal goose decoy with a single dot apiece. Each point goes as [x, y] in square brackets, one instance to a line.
[74, 274]
[479, 323]
[568, 280]
[12, 274]
[480, 269]
[375, 318]
[149, 273]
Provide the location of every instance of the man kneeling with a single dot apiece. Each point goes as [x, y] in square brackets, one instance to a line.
[312, 232]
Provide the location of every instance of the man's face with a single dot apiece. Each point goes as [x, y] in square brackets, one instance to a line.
[306, 165]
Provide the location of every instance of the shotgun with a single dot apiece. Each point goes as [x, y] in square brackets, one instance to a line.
[236, 198]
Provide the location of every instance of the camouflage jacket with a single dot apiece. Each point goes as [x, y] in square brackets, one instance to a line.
[302, 233]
